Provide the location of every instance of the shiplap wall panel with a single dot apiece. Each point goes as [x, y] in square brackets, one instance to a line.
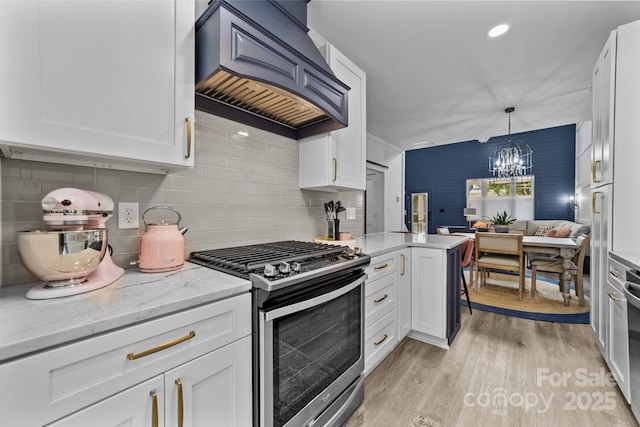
[442, 171]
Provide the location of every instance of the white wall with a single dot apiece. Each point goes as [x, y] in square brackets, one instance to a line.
[383, 153]
[241, 191]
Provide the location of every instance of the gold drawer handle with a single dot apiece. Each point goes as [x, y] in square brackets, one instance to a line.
[615, 274]
[189, 137]
[134, 356]
[180, 403]
[381, 299]
[382, 340]
[593, 202]
[612, 297]
[335, 169]
[154, 408]
[381, 267]
[402, 256]
[593, 171]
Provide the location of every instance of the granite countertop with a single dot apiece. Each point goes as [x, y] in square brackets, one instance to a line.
[32, 325]
[380, 243]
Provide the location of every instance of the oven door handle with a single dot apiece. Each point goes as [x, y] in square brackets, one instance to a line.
[631, 298]
[303, 305]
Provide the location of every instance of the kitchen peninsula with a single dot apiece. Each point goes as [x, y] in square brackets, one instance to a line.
[82, 349]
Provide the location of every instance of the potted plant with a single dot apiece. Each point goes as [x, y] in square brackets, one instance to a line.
[501, 222]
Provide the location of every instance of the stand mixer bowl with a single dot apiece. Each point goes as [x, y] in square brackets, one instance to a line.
[62, 258]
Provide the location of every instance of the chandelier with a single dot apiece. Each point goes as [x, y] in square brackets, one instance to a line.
[511, 158]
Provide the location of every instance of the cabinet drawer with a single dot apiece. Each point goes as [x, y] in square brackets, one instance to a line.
[379, 340]
[382, 265]
[381, 296]
[616, 273]
[62, 380]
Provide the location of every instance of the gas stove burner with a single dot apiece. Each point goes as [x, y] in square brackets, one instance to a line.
[280, 264]
[242, 260]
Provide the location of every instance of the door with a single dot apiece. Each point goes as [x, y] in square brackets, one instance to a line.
[427, 291]
[212, 390]
[600, 240]
[603, 99]
[618, 338]
[374, 202]
[420, 213]
[102, 81]
[136, 406]
[404, 294]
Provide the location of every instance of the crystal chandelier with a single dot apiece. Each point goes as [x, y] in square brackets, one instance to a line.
[511, 158]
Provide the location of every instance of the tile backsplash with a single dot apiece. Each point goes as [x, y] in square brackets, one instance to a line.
[242, 190]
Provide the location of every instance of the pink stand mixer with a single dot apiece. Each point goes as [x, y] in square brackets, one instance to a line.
[71, 253]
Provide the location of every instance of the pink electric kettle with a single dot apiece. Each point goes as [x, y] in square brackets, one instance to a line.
[162, 244]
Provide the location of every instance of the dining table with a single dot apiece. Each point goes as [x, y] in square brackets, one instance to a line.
[564, 247]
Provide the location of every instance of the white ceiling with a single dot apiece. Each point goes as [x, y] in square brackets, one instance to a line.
[434, 76]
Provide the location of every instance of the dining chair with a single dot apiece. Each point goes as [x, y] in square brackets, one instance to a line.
[499, 251]
[554, 265]
[467, 255]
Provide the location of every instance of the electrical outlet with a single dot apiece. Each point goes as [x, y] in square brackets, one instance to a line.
[351, 213]
[128, 215]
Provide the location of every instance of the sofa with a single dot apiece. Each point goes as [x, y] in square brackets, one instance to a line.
[531, 227]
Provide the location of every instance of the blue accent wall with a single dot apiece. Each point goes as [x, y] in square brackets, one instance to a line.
[442, 172]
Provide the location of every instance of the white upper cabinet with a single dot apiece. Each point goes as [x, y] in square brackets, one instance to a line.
[98, 83]
[627, 143]
[337, 160]
[604, 86]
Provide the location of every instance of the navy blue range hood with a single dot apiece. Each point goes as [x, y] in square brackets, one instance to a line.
[255, 64]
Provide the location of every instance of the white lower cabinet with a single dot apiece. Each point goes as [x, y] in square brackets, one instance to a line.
[130, 376]
[618, 335]
[429, 298]
[379, 340]
[381, 309]
[140, 405]
[404, 294]
[213, 389]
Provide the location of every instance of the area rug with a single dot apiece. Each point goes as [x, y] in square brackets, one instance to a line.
[500, 295]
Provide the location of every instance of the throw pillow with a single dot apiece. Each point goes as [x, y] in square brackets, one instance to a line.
[543, 230]
[561, 232]
[481, 224]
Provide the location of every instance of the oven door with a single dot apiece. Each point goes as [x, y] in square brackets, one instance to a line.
[311, 351]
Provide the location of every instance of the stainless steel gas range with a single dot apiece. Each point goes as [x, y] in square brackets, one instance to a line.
[308, 328]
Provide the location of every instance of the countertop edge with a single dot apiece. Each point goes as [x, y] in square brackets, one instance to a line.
[148, 297]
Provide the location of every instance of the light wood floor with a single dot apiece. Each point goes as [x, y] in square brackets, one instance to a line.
[494, 365]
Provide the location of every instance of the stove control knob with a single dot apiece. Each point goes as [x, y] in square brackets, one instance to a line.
[350, 252]
[284, 268]
[357, 251]
[270, 271]
[296, 266]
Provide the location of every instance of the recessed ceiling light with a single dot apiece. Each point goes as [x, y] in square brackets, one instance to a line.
[498, 30]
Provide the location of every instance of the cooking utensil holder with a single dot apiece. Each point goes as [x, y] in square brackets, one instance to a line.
[333, 229]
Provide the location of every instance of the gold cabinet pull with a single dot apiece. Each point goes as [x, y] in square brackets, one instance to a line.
[154, 408]
[381, 267]
[612, 297]
[382, 340]
[593, 202]
[615, 274]
[402, 257]
[134, 356]
[180, 404]
[381, 299]
[189, 137]
[335, 169]
[594, 165]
